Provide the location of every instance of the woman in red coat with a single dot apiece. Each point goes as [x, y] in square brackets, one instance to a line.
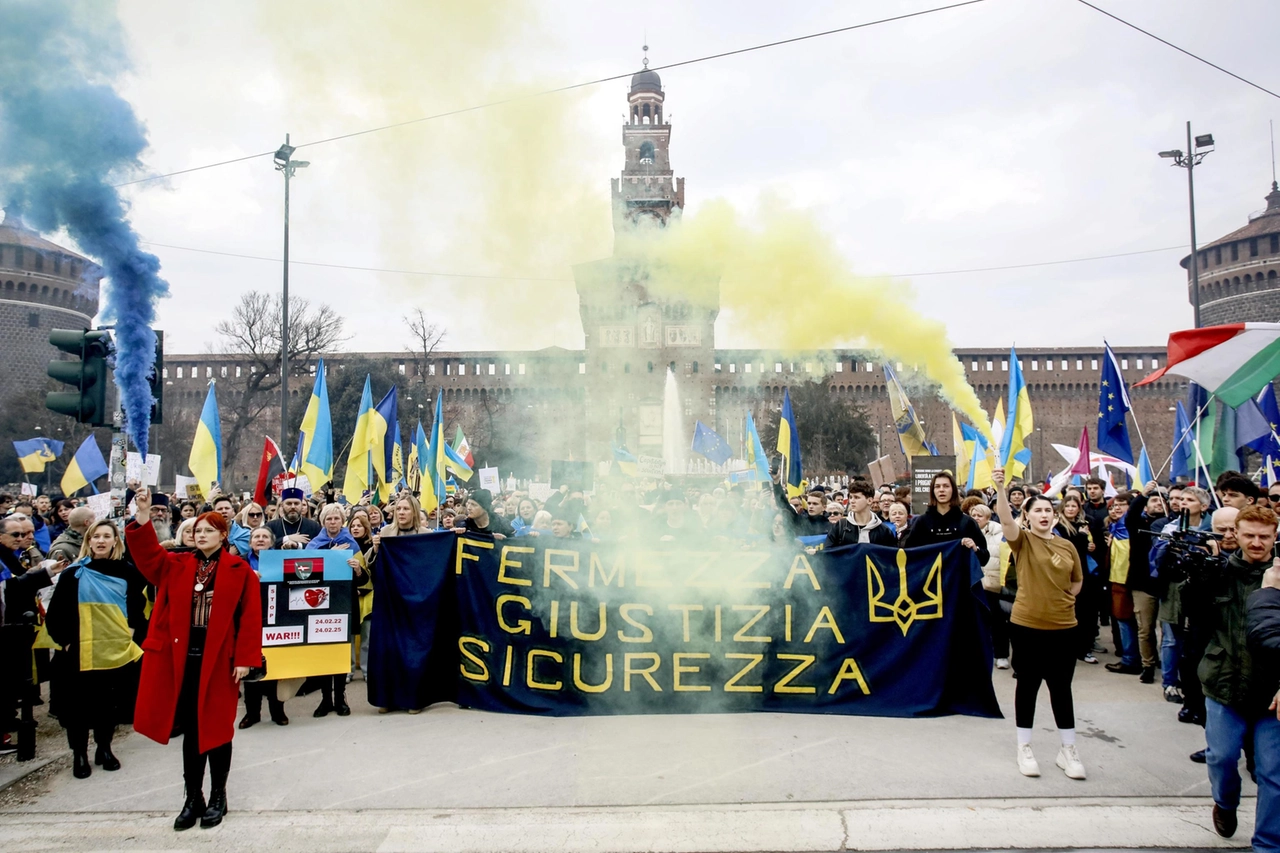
[205, 634]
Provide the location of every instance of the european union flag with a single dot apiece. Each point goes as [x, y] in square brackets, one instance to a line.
[1183, 461]
[1113, 405]
[709, 443]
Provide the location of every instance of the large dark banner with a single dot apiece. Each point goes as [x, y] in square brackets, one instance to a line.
[545, 626]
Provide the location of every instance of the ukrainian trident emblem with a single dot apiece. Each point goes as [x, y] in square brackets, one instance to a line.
[905, 610]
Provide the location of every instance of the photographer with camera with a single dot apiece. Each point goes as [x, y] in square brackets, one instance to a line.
[1189, 507]
[1236, 700]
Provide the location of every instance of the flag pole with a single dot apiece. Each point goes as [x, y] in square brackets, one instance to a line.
[1182, 438]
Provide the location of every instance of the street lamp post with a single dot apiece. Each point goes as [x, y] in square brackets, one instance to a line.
[285, 163]
[1197, 150]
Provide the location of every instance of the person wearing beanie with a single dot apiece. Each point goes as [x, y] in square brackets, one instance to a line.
[480, 517]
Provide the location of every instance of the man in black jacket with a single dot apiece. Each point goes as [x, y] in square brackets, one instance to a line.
[813, 521]
[1263, 625]
[1144, 519]
[861, 524]
[1237, 691]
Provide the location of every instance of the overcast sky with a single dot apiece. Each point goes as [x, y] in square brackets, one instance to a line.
[1008, 132]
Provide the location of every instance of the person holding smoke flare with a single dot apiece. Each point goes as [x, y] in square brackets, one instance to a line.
[1043, 628]
[205, 635]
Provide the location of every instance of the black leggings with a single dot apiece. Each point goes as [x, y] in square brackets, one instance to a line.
[193, 760]
[1048, 656]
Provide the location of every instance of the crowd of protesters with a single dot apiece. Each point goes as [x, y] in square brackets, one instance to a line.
[1060, 576]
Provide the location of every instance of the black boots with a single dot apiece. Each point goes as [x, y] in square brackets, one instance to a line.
[340, 696]
[217, 809]
[105, 758]
[80, 767]
[192, 810]
[326, 705]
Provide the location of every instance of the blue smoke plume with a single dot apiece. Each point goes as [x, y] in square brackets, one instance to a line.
[65, 138]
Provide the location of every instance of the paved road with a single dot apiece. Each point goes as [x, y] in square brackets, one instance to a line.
[451, 779]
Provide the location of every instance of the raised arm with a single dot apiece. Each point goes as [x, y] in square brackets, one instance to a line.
[140, 537]
[1008, 523]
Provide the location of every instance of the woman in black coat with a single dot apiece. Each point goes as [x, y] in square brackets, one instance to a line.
[94, 682]
[944, 522]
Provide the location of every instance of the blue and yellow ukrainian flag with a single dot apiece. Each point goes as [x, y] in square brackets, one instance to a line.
[360, 457]
[911, 437]
[86, 466]
[383, 442]
[418, 456]
[789, 447]
[316, 453]
[977, 450]
[35, 453]
[105, 639]
[205, 460]
[624, 461]
[1014, 455]
[441, 459]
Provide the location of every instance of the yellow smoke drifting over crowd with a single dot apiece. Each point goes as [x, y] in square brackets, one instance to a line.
[786, 285]
[520, 190]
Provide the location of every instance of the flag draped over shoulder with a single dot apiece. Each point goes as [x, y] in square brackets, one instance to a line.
[1014, 456]
[106, 642]
[35, 453]
[789, 447]
[316, 454]
[205, 460]
[360, 477]
[1113, 408]
[911, 437]
[86, 466]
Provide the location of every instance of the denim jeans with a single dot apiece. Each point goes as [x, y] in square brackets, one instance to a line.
[1225, 730]
[1128, 650]
[1170, 653]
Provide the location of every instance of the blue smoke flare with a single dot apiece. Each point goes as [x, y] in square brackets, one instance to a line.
[65, 137]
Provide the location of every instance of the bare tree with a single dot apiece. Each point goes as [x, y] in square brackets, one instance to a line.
[426, 337]
[252, 337]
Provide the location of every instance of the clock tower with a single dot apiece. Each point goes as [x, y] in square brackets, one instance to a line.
[640, 321]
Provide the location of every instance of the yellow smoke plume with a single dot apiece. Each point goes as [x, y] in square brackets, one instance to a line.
[519, 190]
[783, 282]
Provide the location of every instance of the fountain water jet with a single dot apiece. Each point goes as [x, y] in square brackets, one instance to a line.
[673, 438]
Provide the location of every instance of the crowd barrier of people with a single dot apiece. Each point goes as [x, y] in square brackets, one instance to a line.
[156, 623]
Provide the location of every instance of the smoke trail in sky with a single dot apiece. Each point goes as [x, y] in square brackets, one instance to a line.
[65, 137]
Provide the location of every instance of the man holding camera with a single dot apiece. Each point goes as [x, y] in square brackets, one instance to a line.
[1238, 695]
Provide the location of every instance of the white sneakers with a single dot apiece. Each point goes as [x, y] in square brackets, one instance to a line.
[1027, 760]
[1002, 663]
[1068, 761]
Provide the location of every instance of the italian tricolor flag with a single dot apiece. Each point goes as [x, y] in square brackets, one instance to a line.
[1233, 362]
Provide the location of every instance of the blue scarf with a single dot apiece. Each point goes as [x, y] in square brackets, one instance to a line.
[323, 541]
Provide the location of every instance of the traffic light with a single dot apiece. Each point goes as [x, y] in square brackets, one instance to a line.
[157, 381]
[87, 374]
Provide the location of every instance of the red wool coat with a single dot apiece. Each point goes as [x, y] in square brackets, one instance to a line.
[234, 638]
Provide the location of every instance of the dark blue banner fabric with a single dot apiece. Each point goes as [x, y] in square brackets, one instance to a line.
[563, 627]
[412, 655]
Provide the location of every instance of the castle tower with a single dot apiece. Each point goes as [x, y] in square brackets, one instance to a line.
[647, 189]
[637, 322]
[1240, 273]
[42, 287]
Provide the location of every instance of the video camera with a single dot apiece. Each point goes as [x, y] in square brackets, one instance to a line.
[1192, 554]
